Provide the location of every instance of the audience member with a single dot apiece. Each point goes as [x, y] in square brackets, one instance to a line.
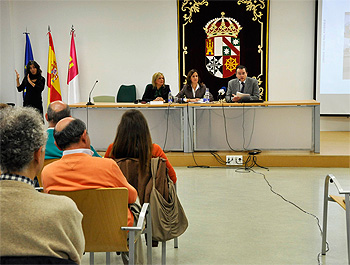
[3, 105]
[158, 90]
[194, 89]
[78, 170]
[32, 223]
[56, 111]
[33, 84]
[133, 140]
[242, 84]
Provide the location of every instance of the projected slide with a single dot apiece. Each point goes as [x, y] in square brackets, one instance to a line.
[346, 54]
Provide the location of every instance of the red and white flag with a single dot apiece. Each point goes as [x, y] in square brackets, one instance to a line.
[72, 80]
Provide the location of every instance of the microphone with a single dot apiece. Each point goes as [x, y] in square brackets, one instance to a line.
[90, 103]
[221, 93]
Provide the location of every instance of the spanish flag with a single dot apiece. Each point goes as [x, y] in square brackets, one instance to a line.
[53, 82]
[72, 80]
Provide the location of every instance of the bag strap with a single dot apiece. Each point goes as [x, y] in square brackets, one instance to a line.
[154, 168]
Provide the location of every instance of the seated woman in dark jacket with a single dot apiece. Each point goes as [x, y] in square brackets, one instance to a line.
[157, 91]
[194, 89]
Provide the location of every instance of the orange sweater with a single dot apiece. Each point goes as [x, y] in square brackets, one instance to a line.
[156, 152]
[82, 171]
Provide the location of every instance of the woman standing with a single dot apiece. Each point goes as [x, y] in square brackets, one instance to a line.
[194, 89]
[34, 83]
[158, 90]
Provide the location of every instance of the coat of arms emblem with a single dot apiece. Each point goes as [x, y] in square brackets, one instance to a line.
[222, 46]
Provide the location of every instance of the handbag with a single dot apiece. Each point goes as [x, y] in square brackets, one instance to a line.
[168, 217]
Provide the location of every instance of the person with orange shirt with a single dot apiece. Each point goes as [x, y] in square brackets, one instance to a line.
[79, 170]
[133, 140]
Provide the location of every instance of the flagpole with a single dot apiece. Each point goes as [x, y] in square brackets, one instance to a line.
[28, 56]
[27, 33]
[53, 81]
[72, 79]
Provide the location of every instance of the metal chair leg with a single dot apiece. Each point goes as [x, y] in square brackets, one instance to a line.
[176, 242]
[92, 258]
[325, 215]
[149, 237]
[347, 213]
[131, 247]
[163, 252]
[108, 258]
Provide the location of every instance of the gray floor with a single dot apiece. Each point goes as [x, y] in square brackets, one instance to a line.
[234, 218]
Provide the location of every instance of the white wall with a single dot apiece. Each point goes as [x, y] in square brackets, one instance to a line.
[122, 42]
[117, 42]
[291, 52]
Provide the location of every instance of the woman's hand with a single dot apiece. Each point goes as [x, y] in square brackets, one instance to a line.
[159, 99]
[30, 81]
[17, 78]
[17, 75]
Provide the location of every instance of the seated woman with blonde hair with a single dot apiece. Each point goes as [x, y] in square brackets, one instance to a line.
[158, 90]
[133, 140]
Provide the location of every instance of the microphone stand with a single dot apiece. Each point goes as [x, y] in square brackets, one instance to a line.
[90, 103]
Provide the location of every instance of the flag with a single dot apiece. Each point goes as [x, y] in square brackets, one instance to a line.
[53, 81]
[72, 80]
[28, 56]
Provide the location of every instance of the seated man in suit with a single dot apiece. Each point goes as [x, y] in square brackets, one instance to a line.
[32, 223]
[78, 170]
[56, 111]
[242, 84]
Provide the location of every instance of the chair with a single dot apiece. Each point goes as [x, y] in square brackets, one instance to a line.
[46, 162]
[104, 99]
[143, 185]
[126, 93]
[105, 214]
[343, 202]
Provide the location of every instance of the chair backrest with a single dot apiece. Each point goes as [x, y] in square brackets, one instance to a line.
[104, 211]
[104, 99]
[143, 184]
[46, 162]
[126, 93]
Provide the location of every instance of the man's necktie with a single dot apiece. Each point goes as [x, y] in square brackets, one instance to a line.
[242, 89]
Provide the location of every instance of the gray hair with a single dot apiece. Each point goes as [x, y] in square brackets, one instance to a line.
[21, 134]
[59, 115]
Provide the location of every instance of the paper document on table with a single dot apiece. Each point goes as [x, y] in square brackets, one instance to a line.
[242, 95]
[156, 102]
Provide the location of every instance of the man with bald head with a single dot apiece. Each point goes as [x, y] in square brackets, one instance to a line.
[77, 169]
[56, 111]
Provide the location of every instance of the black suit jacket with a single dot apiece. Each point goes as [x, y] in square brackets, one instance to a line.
[150, 91]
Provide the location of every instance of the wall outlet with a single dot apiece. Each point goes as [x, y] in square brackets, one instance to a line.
[234, 160]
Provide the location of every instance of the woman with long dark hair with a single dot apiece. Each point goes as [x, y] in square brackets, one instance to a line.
[34, 83]
[133, 140]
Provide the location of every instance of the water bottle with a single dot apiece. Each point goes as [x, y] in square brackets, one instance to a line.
[206, 96]
[170, 98]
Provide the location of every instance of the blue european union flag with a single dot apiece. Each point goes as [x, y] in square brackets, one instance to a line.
[27, 57]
